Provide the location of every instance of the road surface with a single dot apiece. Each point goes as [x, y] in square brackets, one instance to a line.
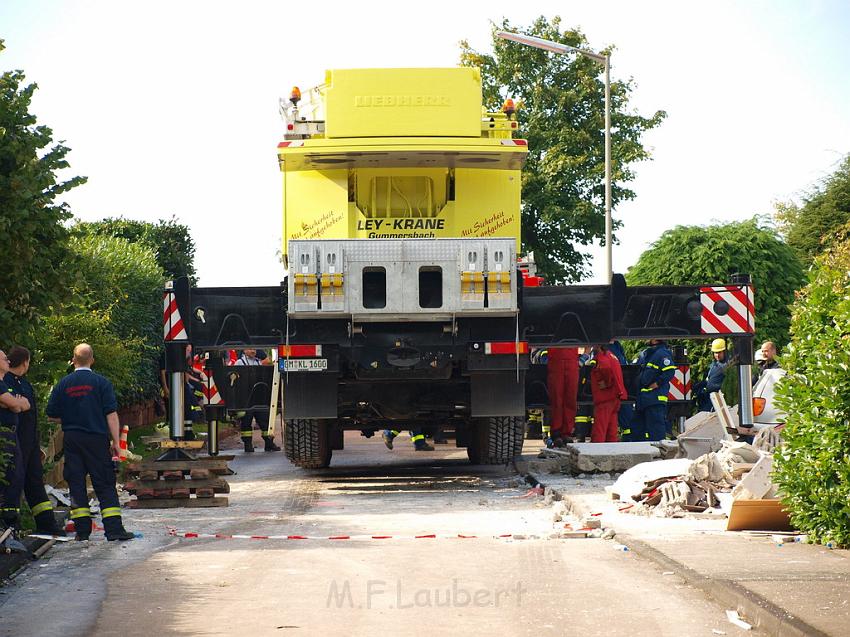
[527, 584]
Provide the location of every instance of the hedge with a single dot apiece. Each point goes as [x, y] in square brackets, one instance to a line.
[813, 465]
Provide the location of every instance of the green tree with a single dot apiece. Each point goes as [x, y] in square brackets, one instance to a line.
[813, 465]
[115, 303]
[561, 114]
[692, 255]
[36, 257]
[813, 226]
[171, 241]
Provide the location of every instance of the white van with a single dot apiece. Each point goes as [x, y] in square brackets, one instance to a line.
[765, 411]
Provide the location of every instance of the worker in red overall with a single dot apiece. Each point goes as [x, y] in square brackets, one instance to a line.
[606, 380]
[562, 382]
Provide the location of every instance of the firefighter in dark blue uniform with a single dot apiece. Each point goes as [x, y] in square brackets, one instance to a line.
[657, 368]
[11, 405]
[32, 471]
[714, 378]
[417, 437]
[85, 403]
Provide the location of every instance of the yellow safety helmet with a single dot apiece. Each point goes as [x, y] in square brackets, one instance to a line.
[718, 345]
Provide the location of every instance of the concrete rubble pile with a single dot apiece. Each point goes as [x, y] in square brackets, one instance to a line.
[706, 484]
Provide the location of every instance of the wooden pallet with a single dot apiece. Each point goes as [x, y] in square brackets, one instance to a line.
[178, 483]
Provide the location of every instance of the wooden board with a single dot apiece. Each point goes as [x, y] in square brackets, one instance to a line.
[217, 484]
[168, 443]
[216, 465]
[175, 503]
[763, 515]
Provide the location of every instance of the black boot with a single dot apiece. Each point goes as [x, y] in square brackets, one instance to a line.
[114, 529]
[83, 528]
[121, 536]
[249, 444]
[270, 445]
[45, 523]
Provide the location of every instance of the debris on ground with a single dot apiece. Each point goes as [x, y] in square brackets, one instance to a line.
[707, 484]
[734, 618]
[58, 496]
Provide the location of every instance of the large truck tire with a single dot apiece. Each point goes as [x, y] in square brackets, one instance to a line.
[306, 443]
[496, 440]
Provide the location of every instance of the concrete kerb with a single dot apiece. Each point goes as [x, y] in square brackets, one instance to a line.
[762, 613]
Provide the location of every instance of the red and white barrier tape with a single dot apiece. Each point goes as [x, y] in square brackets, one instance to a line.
[428, 536]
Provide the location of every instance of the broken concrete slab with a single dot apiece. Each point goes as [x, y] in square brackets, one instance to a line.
[703, 434]
[757, 483]
[605, 457]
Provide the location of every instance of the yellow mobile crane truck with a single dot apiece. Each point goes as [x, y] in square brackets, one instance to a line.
[404, 306]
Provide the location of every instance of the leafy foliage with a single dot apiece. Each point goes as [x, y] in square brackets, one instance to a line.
[116, 299]
[692, 255]
[813, 465]
[170, 241]
[561, 114]
[813, 227]
[36, 257]
[116, 358]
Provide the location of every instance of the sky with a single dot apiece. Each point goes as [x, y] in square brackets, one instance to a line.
[171, 108]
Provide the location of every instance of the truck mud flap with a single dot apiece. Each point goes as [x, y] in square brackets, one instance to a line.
[497, 394]
[310, 395]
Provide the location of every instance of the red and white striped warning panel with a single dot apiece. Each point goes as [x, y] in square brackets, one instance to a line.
[727, 309]
[172, 324]
[680, 384]
[208, 386]
[425, 536]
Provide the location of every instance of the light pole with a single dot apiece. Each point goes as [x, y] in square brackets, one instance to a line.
[605, 61]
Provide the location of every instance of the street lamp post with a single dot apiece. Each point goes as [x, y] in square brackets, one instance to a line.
[605, 61]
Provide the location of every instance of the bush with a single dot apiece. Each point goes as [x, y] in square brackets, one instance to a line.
[813, 466]
[171, 242]
[114, 305]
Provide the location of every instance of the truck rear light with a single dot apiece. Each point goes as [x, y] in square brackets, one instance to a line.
[294, 351]
[509, 347]
[758, 406]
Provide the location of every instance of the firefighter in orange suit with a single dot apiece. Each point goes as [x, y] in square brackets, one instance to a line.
[562, 382]
[606, 384]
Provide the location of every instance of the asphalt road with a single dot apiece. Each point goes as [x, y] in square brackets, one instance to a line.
[399, 585]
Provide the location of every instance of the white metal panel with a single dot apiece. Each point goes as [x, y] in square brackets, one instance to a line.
[500, 262]
[331, 265]
[402, 260]
[303, 261]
